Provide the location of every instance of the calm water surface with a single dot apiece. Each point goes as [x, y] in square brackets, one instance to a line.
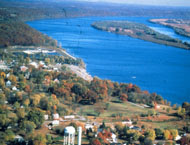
[153, 67]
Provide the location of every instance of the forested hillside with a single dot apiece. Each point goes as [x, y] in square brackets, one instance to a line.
[17, 33]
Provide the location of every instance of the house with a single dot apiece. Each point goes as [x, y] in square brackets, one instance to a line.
[55, 122]
[8, 83]
[34, 64]
[41, 63]
[114, 138]
[56, 116]
[46, 117]
[23, 68]
[69, 117]
[7, 75]
[19, 138]
[157, 106]
[14, 88]
[127, 122]
[27, 75]
[88, 126]
[178, 137]
[56, 81]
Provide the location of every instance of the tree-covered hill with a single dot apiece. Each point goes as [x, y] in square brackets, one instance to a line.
[17, 33]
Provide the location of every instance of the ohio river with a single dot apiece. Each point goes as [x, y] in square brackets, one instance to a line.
[153, 67]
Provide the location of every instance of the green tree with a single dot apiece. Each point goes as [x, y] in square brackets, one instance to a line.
[168, 110]
[9, 135]
[148, 141]
[132, 135]
[150, 134]
[39, 140]
[49, 139]
[181, 112]
[28, 127]
[20, 113]
[159, 133]
[36, 116]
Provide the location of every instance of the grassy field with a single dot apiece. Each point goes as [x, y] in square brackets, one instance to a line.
[112, 109]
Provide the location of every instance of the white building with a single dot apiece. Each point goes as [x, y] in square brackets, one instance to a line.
[56, 81]
[178, 138]
[88, 126]
[46, 117]
[69, 117]
[14, 88]
[56, 116]
[8, 83]
[55, 122]
[23, 68]
[127, 122]
[34, 64]
[19, 138]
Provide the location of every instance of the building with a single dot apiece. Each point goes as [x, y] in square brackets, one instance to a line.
[34, 64]
[8, 83]
[89, 126]
[55, 122]
[69, 117]
[46, 117]
[112, 139]
[127, 122]
[56, 116]
[23, 68]
[14, 88]
[19, 138]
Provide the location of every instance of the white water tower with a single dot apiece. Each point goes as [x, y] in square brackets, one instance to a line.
[69, 135]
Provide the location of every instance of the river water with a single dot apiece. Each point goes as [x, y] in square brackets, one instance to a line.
[153, 67]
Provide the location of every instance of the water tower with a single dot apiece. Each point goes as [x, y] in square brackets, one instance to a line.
[69, 135]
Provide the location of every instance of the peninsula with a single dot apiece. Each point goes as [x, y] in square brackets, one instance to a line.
[140, 31]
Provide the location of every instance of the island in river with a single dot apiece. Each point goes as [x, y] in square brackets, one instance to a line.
[181, 27]
[140, 31]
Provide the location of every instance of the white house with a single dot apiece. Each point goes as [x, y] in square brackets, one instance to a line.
[112, 139]
[46, 117]
[56, 81]
[8, 83]
[55, 122]
[127, 122]
[69, 117]
[19, 138]
[88, 126]
[56, 116]
[8, 75]
[41, 63]
[14, 88]
[178, 137]
[23, 68]
[34, 64]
